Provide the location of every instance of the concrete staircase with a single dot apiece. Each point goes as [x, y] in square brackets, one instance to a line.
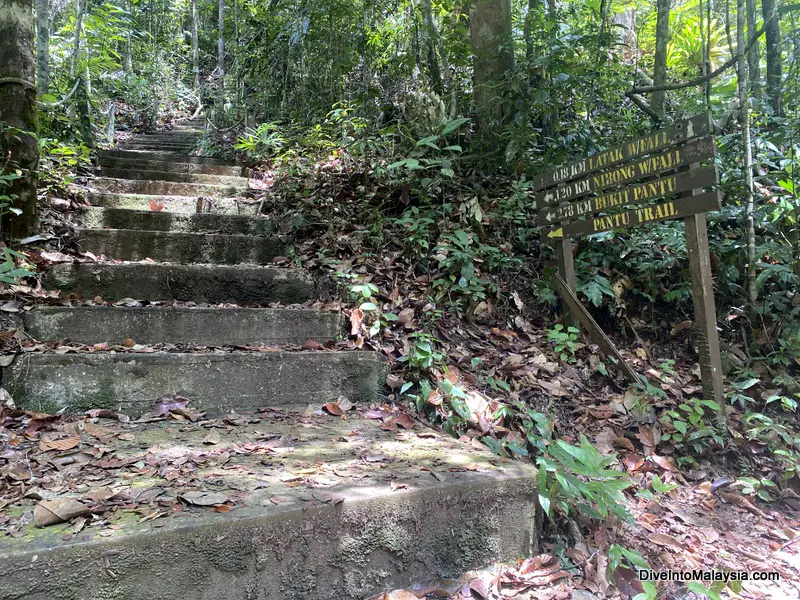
[181, 254]
[191, 259]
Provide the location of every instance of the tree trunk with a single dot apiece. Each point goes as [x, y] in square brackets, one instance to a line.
[81, 95]
[127, 64]
[744, 112]
[221, 56]
[76, 40]
[534, 6]
[659, 99]
[493, 57]
[753, 57]
[195, 51]
[221, 39]
[431, 46]
[18, 110]
[43, 46]
[774, 62]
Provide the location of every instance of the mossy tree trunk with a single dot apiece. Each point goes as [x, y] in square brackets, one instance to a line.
[493, 58]
[774, 61]
[18, 116]
[43, 46]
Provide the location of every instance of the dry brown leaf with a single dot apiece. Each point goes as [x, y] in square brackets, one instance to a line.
[213, 437]
[344, 404]
[333, 408]
[205, 498]
[312, 344]
[664, 539]
[664, 463]
[406, 316]
[60, 510]
[356, 319]
[624, 443]
[96, 431]
[404, 421]
[601, 412]
[400, 595]
[60, 445]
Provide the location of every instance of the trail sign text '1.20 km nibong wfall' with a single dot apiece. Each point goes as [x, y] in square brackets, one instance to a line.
[658, 177]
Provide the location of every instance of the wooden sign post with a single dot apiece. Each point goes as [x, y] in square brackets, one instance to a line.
[655, 178]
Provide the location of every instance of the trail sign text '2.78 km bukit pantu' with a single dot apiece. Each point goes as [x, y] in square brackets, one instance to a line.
[655, 178]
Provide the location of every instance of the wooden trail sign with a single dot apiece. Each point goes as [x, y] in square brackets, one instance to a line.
[655, 178]
[641, 216]
[658, 188]
[650, 166]
[675, 134]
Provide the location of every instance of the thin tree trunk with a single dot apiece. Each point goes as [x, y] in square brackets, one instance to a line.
[221, 39]
[127, 64]
[753, 57]
[195, 51]
[43, 46]
[82, 93]
[744, 112]
[18, 110]
[431, 47]
[658, 101]
[774, 61]
[237, 60]
[534, 6]
[76, 40]
[221, 55]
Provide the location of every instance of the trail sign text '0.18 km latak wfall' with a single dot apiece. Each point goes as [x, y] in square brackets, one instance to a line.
[662, 176]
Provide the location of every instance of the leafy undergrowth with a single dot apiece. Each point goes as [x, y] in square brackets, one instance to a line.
[446, 279]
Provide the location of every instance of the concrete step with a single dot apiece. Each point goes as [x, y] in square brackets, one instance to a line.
[182, 248]
[172, 167]
[174, 204]
[197, 283]
[174, 134]
[164, 156]
[146, 174]
[321, 509]
[216, 382]
[163, 188]
[179, 325]
[182, 149]
[120, 218]
[171, 144]
[167, 141]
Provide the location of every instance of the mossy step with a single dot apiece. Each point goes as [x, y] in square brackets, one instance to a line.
[216, 382]
[183, 325]
[157, 144]
[170, 135]
[174, 204]
[179, 247]
[147, 220]
[181, 150]
[171, 167]
[213, 284]
[128, 172]
[164, 156]
[320, 508]
[165, 188]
